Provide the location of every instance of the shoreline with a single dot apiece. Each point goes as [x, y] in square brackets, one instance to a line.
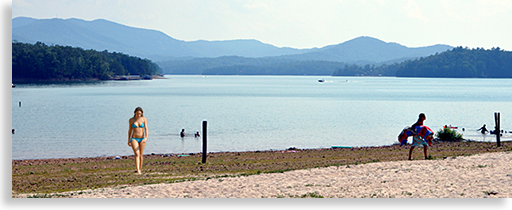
[56, 176]
[78, 80]
[108, 157]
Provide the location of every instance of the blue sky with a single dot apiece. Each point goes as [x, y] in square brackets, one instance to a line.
[300, 23]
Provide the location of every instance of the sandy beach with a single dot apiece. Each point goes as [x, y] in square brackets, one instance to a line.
[487, 175]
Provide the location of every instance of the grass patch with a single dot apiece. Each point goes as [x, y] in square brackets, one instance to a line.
[52, 176]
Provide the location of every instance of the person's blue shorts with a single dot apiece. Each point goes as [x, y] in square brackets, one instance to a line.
[418, 141]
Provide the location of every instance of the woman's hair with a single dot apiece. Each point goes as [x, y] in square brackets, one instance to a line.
[138, 109]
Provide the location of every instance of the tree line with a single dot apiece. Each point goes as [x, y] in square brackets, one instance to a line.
[456, 63]
[284, 68]
[42, 62]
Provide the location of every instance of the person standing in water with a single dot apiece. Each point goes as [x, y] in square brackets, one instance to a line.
[483, 129]
[138, 136]
[182, 133]
[417, 139]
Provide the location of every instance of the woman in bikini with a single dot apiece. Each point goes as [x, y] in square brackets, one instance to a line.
[137, 136]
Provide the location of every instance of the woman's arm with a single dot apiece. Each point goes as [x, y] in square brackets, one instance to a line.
[129, 131]
[146, 129]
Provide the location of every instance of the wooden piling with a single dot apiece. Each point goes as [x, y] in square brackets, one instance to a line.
[204, 142]
[497, 130]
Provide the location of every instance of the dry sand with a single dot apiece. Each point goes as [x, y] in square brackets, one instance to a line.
[486, 175]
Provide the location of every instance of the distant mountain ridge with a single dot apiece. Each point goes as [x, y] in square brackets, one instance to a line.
[106, 35]
[103, 34]
[368, 50]
[98, 35]
[168, 52]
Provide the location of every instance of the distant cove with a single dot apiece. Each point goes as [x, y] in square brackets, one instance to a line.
[40, 62]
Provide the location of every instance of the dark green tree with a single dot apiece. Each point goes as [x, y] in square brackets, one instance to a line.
[42, 62]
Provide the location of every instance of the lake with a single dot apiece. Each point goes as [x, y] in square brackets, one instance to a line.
[247, 113]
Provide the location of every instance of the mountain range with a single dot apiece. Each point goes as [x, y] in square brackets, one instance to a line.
[106, 35]
[166, 51]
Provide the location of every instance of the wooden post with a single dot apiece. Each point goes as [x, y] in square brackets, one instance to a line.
[204, 142]
[497, 131]
[498, 137]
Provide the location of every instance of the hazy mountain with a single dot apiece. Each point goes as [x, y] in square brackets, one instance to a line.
[22, 21]
[176, 56]
[368, 50]
[106, 35]
[360, 51]
[243, 48]
[98, 35]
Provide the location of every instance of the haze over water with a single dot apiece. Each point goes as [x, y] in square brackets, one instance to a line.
[247, 113]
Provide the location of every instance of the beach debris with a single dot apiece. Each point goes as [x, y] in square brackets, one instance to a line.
[168, 155]
[117, 158]
[290, 150]
[491, 192]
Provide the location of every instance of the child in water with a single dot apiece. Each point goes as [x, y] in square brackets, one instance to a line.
[182, 134]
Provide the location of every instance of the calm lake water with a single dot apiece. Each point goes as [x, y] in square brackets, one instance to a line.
[247, 113]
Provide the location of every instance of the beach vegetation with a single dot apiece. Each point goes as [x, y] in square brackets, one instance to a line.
[406, 193]
[448, 134]
[313, 195]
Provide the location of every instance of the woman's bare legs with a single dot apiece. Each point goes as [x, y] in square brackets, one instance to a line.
[138, 155]
[142, 144]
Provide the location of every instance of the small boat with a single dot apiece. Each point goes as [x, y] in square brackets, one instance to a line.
[451, 127]
[321, 80]
[147, 77]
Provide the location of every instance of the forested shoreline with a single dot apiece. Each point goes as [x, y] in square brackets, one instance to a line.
[456, 63]
[40, 62]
